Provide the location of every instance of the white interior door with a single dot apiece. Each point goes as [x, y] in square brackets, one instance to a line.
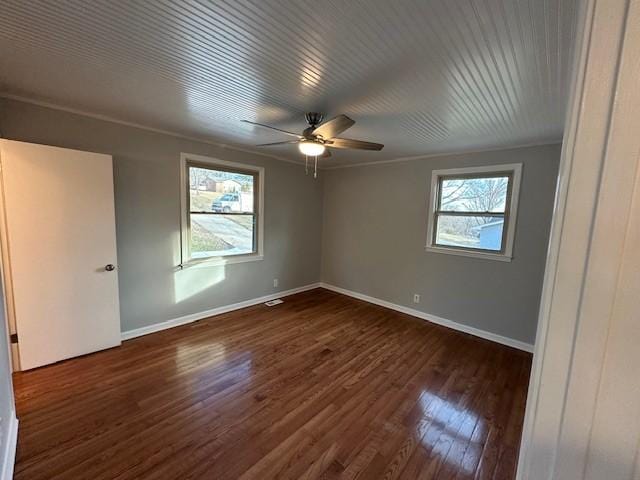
[60, 244]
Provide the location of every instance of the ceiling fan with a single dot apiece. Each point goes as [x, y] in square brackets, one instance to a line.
[316, 139]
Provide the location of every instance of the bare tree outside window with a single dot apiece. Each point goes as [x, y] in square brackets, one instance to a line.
[471, 211]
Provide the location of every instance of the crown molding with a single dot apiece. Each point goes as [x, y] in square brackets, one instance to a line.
[108, 118]
[447, 154]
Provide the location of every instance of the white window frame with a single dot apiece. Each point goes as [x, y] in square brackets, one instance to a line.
[185, 158]
[511, 211]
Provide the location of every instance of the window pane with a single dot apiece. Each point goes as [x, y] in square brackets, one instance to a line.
[218, 191]
[487, 194]
[218, 235]
[469, 231]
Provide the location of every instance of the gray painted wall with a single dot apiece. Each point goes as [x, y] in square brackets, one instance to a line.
[361, 228]
[374, 234]
[147, 202]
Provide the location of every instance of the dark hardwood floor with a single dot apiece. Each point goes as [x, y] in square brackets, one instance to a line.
[321, 387]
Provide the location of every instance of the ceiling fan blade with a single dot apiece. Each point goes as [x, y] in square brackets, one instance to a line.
[358, 144]
[333, 127]
[272, 128]
[276, 143]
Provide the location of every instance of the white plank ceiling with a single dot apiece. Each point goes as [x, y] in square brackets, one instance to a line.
[422, 76]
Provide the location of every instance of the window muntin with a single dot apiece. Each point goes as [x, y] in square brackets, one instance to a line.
[222, 207]
[473, 210]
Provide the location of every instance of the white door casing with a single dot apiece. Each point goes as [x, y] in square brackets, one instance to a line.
[583, 410]
[59, 236]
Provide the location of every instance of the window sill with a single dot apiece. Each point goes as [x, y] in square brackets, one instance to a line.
[501, 257]
[219, 261]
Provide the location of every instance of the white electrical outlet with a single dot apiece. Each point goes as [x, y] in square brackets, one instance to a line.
[416, 298]
[275, 283]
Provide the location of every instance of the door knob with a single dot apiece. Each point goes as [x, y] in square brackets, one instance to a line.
[109, 268]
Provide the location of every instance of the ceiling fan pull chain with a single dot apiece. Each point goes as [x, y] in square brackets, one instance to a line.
[315, 171]
[306, 164]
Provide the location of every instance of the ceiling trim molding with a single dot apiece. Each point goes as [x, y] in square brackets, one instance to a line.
[108, 118]
[447, 154]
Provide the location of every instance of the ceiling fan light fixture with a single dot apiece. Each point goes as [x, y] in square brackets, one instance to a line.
[311, 149]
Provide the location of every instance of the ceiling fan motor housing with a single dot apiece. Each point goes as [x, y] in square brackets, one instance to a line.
[314, 118]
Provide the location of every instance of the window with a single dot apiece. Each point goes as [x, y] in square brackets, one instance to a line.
[221, 210]
[473, 211]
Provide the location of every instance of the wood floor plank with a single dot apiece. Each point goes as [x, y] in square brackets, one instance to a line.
[320, 387]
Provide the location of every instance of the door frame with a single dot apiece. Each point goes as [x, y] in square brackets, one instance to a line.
[587, 271]
[5, 271]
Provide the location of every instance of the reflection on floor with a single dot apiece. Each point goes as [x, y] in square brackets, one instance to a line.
[322, 386]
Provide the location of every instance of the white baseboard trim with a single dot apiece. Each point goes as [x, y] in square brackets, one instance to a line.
[157, 327]
[527, 347]
[9, 450]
